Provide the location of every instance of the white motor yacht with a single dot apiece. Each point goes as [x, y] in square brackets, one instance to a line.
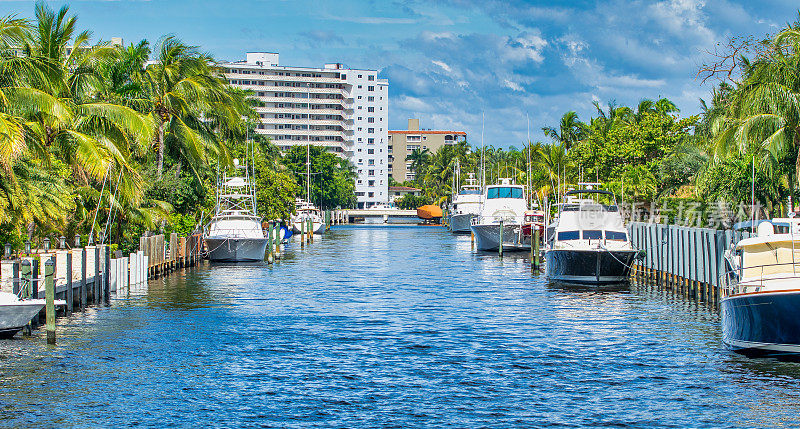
[235, 233]
[588, 241]
[305, 211]
[466, 205]
[503, 205]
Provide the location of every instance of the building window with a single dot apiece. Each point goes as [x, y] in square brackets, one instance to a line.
[370, 98]
[370, 162]
[359, 86]
[370, 151]
[370, 141]
[370, 183]
[370, 88]
[371, 172]
[359, 76]
[371, 130]
[369, 109]
[371, 194]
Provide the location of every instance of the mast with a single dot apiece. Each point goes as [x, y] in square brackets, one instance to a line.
[483, 152]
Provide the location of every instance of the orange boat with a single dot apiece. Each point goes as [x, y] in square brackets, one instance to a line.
[429, 212]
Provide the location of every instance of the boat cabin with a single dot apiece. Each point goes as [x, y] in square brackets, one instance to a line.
[770, 259]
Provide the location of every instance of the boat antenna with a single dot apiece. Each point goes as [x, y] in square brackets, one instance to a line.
[483, 151]
[753, 201]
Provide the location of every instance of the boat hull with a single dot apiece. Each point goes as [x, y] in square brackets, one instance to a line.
[16, 315]
[236, 249]
[460, 223]
[319, 227]
[487, 237]
[589, 266]
[762, 323]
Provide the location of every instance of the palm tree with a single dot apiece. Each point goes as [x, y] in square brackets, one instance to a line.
[419, 159]
[185, 89]
[762, 115]
[570, 130]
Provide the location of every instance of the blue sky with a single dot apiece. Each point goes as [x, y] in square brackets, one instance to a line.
[448, 62]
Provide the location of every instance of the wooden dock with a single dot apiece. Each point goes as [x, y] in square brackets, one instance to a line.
[89, 276]
[692, 260]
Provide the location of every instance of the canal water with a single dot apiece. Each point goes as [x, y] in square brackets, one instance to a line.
[390, 327]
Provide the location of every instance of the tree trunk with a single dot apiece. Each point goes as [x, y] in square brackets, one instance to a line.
[160, 156]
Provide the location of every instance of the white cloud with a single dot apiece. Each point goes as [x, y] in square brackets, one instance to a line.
[443, 65]
[512, 85]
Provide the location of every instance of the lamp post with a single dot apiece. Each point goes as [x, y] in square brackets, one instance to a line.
[77, 241]
[27, 247]
[8, 250]
[62, 242]
[46, 244]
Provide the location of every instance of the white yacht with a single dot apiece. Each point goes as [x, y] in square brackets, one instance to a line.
[588, 241]
[305, 211]
[235, 232]
[465, 206]
[762, 291]
[16, 313]
[503, 204]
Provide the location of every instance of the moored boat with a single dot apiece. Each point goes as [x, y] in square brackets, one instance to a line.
[234, 233]
[588, 242]
[305, 211]
[503, 209]
[762, 291]
[16, 313]
[465, 206]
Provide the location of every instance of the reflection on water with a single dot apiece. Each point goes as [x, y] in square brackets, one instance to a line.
[397, 326]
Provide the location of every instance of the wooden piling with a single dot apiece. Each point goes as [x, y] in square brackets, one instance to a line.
[535, 249]
[50, 294]
[277, 241]
[84, 273]
[270, 247]
[70, 295]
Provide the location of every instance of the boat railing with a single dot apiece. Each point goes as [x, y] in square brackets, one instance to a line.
[732, 283]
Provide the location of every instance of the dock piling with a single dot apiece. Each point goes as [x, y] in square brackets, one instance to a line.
[535, 249]
[270, 248]
[49, 294]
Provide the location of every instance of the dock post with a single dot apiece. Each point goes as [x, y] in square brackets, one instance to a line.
[269, 244]
[107, 275]
[70, 291]
[50, 295]
[26, 272]
[97, 285]
[277, 241]
[500, 245]
[535, 249]
[302, 233]
[83, 296]
[310, 230]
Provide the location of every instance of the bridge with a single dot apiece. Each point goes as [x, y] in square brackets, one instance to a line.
[379, 216]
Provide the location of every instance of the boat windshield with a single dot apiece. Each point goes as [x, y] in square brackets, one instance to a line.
[504, 192]
[469, 192]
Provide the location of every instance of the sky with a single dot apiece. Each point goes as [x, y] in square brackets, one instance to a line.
[497, 68]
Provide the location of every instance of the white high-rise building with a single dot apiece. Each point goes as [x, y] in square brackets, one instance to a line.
[344, 110]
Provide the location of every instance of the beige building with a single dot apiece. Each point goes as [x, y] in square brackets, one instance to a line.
[403, 142]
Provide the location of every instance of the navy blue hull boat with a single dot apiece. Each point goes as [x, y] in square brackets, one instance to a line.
[762, 323]
[761, 306]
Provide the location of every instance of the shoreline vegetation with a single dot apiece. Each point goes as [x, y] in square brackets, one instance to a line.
[750, 126]
[112, 141]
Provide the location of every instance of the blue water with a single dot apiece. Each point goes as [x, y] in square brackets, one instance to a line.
[390, 327]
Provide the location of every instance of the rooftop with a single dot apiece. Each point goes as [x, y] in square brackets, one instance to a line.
[403, 188]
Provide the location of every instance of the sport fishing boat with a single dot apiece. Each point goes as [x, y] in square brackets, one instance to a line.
[762, 291]
[502, 215]
[234, 234]
[465, 206]
[588, 242]
[305, 211]
[16, 313]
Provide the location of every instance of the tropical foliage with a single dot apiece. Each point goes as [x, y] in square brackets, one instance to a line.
[107, 141]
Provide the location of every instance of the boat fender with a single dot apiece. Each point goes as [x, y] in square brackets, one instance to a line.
[640, 255]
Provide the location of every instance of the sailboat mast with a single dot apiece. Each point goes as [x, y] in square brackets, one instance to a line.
[483, 152]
